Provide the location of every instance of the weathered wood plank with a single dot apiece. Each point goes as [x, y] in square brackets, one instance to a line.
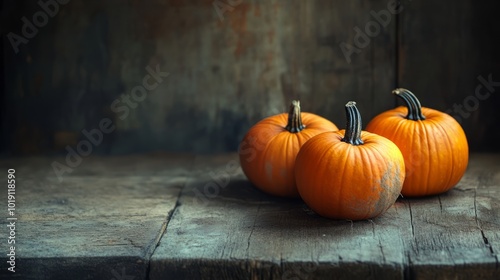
[102, 221]
[240, 232]
[451, 232]
[487, 200]
[236, 231]
[445, 241]
[106, 218]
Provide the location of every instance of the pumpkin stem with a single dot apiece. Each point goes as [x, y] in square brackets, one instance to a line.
[411, 101]
[353, 128]
[294, 118]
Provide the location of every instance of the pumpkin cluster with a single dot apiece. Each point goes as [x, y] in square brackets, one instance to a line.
[350, 173]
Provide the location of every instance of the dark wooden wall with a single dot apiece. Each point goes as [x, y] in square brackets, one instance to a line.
[445, 47]
[230, 69]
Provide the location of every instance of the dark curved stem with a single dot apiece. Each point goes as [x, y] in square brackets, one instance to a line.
[294, 118]
[353, 128]
[411, 101]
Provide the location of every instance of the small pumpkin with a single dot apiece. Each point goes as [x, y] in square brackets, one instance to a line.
[349, 174]
[267, 152]
[433, 144]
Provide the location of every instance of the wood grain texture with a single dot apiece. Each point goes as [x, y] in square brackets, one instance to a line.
[226, 73]
[168, 216]
[235, 231]
[102, 221]
[444, 49]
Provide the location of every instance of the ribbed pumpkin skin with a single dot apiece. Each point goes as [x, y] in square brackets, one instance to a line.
[267, 152]
[343, 181]
[435, 149]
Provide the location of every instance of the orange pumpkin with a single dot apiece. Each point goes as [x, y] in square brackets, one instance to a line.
[267, 152]
[433, 144]
[349, 174]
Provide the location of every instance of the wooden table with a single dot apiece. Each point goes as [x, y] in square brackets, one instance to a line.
[165, 216]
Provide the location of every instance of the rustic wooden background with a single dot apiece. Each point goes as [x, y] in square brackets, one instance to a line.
[228, 70]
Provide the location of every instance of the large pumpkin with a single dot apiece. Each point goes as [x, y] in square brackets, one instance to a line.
[267, 152]
[433, 144]
[349, 174]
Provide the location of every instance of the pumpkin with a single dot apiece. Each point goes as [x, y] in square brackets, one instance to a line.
[349, 174]
[433, 144]
[267, 152]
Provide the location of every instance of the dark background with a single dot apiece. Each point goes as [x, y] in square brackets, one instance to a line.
[227, 72]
